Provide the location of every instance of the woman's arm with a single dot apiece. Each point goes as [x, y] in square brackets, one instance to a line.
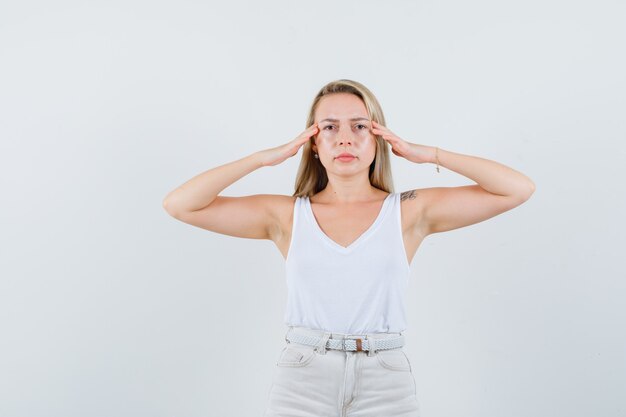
[492, 176]
[257, 216]
[499, 188]
[202, 189]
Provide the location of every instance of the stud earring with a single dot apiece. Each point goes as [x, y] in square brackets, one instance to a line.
[315, 156]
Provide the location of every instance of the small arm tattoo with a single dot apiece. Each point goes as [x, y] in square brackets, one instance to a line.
[411, 194]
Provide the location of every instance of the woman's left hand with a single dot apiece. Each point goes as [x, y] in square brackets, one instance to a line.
[411, 151]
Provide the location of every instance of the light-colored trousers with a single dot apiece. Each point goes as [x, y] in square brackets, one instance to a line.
[312, 382]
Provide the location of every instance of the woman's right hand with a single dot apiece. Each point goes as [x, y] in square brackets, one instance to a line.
[274, 156]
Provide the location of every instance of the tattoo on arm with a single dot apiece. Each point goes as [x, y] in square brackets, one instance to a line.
[411, 194]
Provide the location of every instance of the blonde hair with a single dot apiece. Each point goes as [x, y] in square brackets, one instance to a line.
[311, 177]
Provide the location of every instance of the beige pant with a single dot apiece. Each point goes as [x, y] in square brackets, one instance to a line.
[308, 382]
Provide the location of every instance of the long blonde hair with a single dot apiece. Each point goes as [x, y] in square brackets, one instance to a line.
[311, 177]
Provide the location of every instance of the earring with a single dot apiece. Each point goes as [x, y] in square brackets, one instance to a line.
[315, 156]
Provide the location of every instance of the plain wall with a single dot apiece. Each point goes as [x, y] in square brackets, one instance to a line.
[110, 307]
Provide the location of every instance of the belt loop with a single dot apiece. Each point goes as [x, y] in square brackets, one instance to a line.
[287, 334]
[371, 342]
[321, 347]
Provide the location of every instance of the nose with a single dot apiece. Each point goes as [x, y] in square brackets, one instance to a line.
[344, 135]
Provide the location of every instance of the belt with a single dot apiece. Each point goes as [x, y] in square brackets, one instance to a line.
[350, 344]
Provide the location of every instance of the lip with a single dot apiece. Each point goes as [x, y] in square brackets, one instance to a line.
[345, 155]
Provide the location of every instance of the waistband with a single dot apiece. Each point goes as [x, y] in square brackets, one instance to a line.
[323, 340]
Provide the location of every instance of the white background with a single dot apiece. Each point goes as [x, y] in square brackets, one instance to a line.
[110, 307]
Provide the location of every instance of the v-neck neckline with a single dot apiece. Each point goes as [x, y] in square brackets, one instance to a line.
[358, 240]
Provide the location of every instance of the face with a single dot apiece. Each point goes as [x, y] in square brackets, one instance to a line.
[344, 126]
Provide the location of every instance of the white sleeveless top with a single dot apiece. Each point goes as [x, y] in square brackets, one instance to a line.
[357, 289]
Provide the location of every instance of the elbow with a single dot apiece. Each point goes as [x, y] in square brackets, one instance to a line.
[169, 208]
[171, 202]
[522, 193]
[531, 188]
[527, 191]
[166, 202]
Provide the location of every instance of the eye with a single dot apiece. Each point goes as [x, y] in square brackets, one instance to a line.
[328, 126]
[365, 127]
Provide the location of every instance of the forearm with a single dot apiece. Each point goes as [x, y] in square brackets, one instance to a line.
[202, 189]
[490, 175]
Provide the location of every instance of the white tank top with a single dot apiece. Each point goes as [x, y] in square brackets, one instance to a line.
[357, 289]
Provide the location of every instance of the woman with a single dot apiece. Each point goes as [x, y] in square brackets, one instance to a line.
[348, 240]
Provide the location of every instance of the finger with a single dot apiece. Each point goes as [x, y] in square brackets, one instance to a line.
[305, 136]
[385, 133]
[381, 129]
[310, 130]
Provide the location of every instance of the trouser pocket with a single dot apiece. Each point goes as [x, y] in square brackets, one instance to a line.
[393, 359]
[296, 355]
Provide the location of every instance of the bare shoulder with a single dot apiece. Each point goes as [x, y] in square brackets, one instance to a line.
[410, 195]
[419, 198]
[413, 203]
[281, 212]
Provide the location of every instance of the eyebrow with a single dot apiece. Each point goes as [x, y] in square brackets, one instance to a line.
[353, 119]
